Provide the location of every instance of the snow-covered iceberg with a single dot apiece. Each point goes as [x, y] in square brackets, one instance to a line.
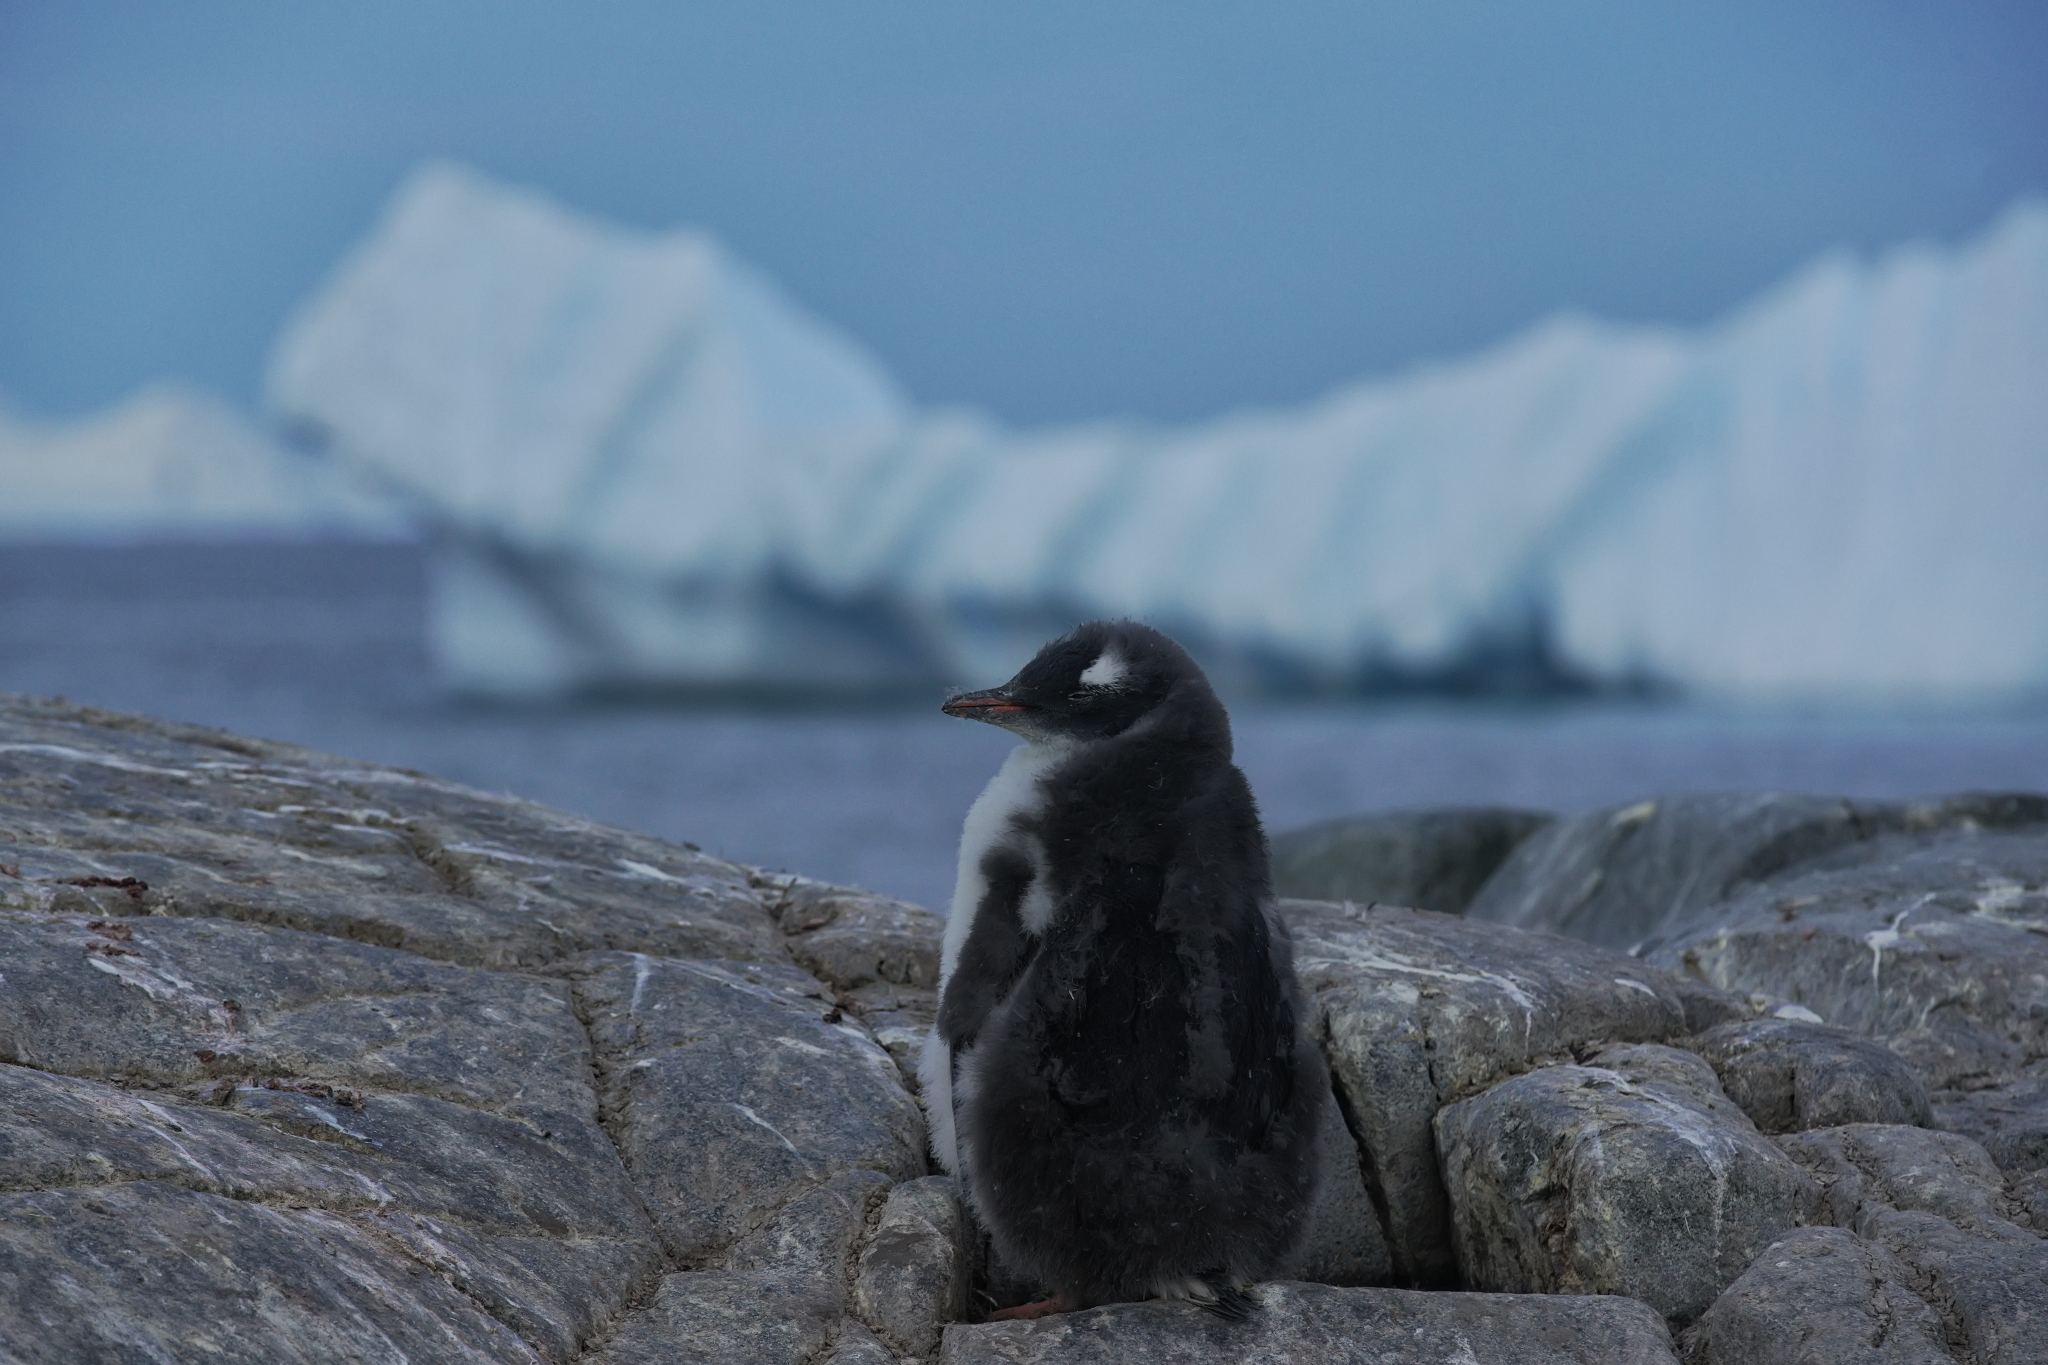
[171, 461]
[644, 465]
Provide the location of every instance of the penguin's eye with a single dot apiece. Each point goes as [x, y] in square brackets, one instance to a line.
[1079, 696]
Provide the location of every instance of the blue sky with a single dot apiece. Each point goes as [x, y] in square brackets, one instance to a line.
[1054, 211]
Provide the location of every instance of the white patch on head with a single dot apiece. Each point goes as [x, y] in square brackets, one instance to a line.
[1107, 671]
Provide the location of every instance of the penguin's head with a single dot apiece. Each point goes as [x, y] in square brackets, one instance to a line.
[1096, 681]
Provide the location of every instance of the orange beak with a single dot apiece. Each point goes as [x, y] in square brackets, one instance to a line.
[982, 705]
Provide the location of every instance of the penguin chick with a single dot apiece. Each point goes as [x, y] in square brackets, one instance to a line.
[1119, 1073]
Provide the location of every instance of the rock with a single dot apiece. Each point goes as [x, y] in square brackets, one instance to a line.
[1820, 1296]
[1428, 859]
[858, 1346]
[216, 826]
[730, 1093]
[816, 1234]
[150, 1271]
[280, 1079]
[780, 1295]
[188, 1001]
[855, 938]
[1416, 1010]
[880, 955]
[1939, 1204]
[1936, 945]
[1345, 1244]
[1789, 1075]
[726, 1317]
[1629, 1175]
[376, 1149]
[1311, 1322]
[916, 1269]
[1709, 1006]
[1863, 1167]
[1647, 871]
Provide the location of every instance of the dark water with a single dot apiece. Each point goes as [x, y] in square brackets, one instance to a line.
[324, 645]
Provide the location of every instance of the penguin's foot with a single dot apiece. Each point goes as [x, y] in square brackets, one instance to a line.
[1058, 1303]
[1214, 1291]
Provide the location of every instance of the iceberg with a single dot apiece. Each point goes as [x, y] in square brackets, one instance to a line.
[172, 462]
[642, 465]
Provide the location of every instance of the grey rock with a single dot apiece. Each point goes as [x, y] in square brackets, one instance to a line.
[816, 1233]
[1939, 1204]
[730, 1093]
[1648, 870]
[1709, 1006]
[1937, 945]
[555, 1292]
[1820, 1296]
[377, 1151]
[1868, 1166]
[148, 1271]
[216, 826]
[880, 955]
[1427, 859]
[1416, 1010]
[1630, 1175]
[854, 938]
[1789, 1075]
[858, 1346]
[2006, 1110]
[1923, 937]
[916, 1269]
[149, 997]
[1344, 1244]
[781, 1295]
[728, 1317]
[900, 1017]
[1310, 1322]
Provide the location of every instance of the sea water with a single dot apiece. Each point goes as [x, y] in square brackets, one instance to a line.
[325, 645]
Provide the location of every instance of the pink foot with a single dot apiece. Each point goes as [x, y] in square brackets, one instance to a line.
[1043, 1308]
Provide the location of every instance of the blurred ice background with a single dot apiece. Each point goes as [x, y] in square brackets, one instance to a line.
[651, 411]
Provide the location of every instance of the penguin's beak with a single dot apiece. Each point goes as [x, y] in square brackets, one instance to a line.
[992, 705]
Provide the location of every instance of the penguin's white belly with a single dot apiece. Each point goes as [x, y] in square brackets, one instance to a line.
[991, 822]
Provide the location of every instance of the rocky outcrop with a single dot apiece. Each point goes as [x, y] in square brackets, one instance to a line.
[1789, 1075]
[1308, 1322]
[307, 1060]
[1653, 869]
[1418, 1010]
[1630, 1174]
[1428, 859]
[1820, 1296]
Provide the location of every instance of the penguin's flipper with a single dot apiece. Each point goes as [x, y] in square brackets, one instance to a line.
[996, 951]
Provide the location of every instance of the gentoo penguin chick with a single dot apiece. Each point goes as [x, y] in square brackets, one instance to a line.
[1119, 1073]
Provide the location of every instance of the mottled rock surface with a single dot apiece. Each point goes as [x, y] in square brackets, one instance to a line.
[1631, 1174]
[1789, 1075]
[1344, 1243]
[1417, 1010]
[1820, 1296]
[306, 1060]
[916, 1271]
[1309, 1322]
[1944, 1210]
[1429, 859]
[1648, 870]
